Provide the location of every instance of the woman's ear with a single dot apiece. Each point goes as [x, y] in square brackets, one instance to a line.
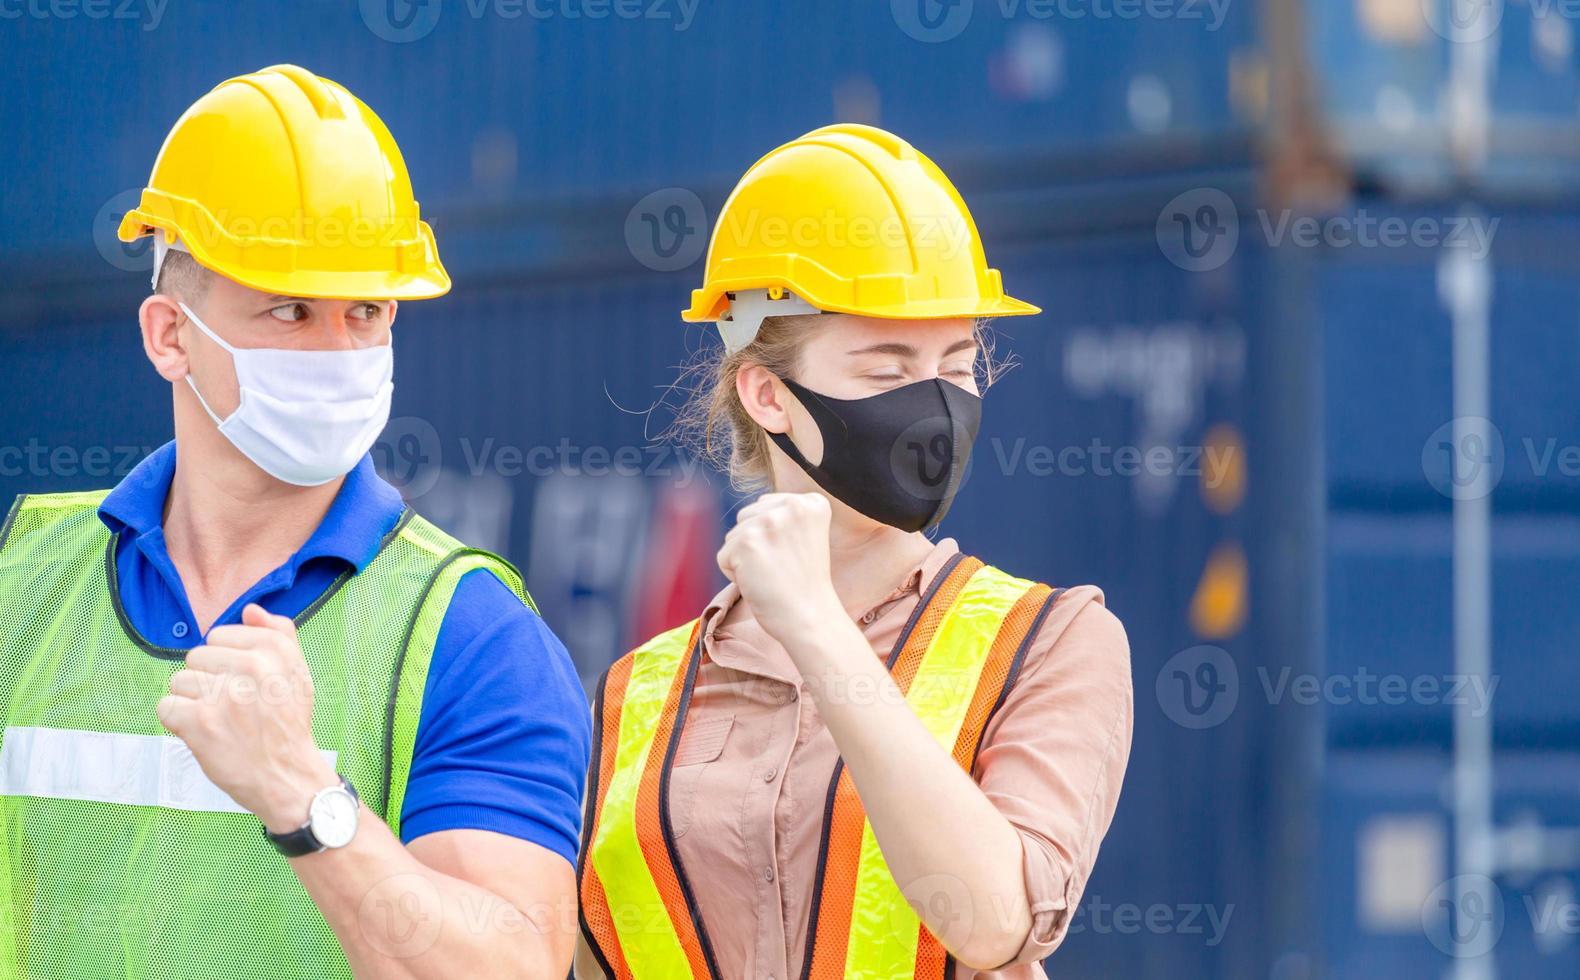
[160, 319]
[764, 397]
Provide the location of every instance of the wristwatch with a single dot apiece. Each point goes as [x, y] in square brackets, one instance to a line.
[331, 822]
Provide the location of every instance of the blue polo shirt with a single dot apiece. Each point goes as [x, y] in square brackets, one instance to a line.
[504, 736]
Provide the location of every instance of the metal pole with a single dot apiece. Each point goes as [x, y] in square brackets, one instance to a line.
[1466, 280]
[1468, 283]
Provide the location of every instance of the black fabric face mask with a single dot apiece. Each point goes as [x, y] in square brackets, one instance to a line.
[898, 457]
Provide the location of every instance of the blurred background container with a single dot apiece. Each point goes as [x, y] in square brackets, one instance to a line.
[1235, 416]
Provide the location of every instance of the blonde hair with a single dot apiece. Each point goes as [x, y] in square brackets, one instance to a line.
[713, 424]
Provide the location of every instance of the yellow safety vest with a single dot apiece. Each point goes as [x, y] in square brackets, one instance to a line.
[955, 661]
[118, 859]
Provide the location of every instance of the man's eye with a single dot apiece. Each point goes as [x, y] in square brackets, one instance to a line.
[290, 312]
[367, 311]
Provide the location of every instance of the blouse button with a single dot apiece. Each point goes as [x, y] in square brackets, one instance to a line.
[180, 630]
[768, 873]
[768, 776]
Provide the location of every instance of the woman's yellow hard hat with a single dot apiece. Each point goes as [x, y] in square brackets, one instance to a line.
[285, 182]
[847, 219]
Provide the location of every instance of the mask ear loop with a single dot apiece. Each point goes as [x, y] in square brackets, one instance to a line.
[785, 443]
[214, 337]
[811, 401]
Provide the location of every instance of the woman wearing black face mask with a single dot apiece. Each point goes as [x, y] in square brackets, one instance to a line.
[871, 756]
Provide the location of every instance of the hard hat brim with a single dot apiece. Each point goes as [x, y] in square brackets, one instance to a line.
[708, 309]
[430, 282]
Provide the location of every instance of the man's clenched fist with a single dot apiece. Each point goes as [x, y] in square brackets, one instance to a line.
[244, 706]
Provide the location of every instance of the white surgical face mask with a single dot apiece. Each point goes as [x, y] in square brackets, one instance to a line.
[306, 416]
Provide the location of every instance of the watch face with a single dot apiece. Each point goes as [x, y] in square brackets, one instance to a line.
[333, 817]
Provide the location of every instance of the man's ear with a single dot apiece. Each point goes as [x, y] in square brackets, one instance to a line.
[764, 396]
[160, 319]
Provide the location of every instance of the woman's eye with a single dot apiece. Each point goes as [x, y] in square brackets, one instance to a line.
[367, 311]
[290, 312]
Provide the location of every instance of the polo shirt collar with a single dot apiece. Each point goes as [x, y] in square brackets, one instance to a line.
[137, 504]
[353, 530]
[363, 512]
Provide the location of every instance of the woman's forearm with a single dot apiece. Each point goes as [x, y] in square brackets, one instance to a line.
[956, 858]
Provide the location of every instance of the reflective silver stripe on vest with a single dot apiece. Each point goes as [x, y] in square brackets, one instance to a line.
[106, 767]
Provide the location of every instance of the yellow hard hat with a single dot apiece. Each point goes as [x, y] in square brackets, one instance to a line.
[846, 219]
[285, 182]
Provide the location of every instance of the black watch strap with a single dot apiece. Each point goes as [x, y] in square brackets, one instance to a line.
[301, 841]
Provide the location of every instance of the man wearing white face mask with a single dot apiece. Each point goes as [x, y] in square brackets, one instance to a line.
[305, 417]
[256, 717]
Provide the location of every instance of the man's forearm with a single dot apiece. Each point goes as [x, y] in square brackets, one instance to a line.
[398, 919]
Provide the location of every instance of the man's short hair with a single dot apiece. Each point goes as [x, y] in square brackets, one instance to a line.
[181, 276]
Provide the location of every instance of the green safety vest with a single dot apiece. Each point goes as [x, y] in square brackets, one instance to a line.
[118, 858]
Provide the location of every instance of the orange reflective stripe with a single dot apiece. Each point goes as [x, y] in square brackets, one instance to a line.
[684, 941]
[597, 921]
[653, 819]
[836, 881]
[603, 943]
[933, 962]
[846, 819]
[1009, 648]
